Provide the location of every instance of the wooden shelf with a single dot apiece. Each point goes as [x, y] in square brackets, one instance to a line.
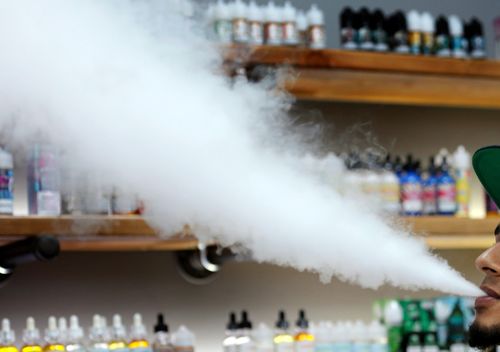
[350, 76]
[131, 233]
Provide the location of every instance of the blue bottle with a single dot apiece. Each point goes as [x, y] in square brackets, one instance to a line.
[429, 189]
[446, 198]
[411, 190]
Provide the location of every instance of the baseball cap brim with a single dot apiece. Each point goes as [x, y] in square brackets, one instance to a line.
[486, 164]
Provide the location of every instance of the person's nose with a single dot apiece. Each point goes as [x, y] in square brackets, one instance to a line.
[489, 261]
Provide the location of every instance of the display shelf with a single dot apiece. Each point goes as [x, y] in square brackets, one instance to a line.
[386, 78]
[132, 233]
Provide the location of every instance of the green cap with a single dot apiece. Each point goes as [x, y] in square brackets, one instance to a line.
[486, 163]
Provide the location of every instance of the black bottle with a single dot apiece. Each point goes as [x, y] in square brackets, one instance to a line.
[348, 34]
[442, 37]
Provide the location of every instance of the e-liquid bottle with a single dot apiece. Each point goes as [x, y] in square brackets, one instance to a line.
[411, 190]
[272, 26]
[7, 337]
[52, 337]
[393, 317]
[429, 189]
[414, 31]
[255, 24]
[263, 337]
[364, 31]
[183, 340]
[446, 198]
[283, 340]
[304, 340]
[63, 331]
[462, 161]
[245, 341]
[377, 337]
[477, 42]
[430, 338]
[74, 339]
[302, 26]
[240, 22]
[316, 31]
[378, 27]
[442, 37]
[428, 29]
[118, 335]
[162, 342]
[138, 336]
[31, 337]
[223, 26]
[290, 33]
[390, 188]
[98, 335]
[399, 33]
[6, 183]
[348, 34]
[457, 37]
[457, 341]
[231, 335]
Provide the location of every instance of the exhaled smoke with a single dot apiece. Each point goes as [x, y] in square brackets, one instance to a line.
[129, 91]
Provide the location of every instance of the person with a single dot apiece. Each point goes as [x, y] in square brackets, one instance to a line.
[484, 332]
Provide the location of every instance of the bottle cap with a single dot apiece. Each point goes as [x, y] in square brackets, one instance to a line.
[347, 17]
[393, 313]
[289, 12]
[98, 329]
[413, 21]
[222, 11]
[118, 330]
[302, 23]
[315, 16]
[442, 27]
[245, 323]
[377, 20]
[239, 9]
[7, 335]
[138, 329]
[232, 325]
[461, 158]
[75, 331]
[160, 324]
[282, 323]
[255, 12]
[427, 22]
[183, 337]
[272, 13]
[31, 335]
[302, 322]
[456, 26]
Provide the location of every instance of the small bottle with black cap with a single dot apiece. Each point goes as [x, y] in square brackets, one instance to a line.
[245, 342]
[161, 342]
[304, 340]
[283, 340]
[230, 341]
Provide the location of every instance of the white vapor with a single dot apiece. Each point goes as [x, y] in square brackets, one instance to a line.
[129, 89]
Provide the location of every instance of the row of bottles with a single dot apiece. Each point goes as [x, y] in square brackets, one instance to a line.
[429, 325]
[59, 337]
[443, 188]
[238, 22]
[304, 337]
[415, 33]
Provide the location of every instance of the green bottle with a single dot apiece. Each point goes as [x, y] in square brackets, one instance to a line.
[393, 318]
[457, 341]
[430, 338]
[414, 344]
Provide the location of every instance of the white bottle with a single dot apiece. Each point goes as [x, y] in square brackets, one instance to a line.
[290, 32]
[263, 338]
[98, 335]
[75, 336]
[118, 338]
[7, 335]
[316, 30]
[63, 330]
[462, 165]
[240, 22]
[6, 183]
[223, 27]
[255, 24]
[52, 335]
[272, 27]
[302, 26]
[360, 338]
[138, 335]
[414, 31]
[31, 335]
[428, 29]
[377, 334]
[456, 33]
[183, 340]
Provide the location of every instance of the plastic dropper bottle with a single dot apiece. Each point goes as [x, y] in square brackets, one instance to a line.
[442, 37]
[283, 340]
[52, 337]
[183, 340]
[223, 27]
[446, 201]
[240, 22]
[229, 343]
[31, 337]
[364, 31]
[6, 182]
[414, 31]
[428, 28]
[138, 335]
[290, 34]
[477, 42]
[255, 24]
[347, 31]
[7, 337]
[316, 30]
[263, 337]
[393, 317]
[302, 26]
[462, 161]
[98, 335]
[457, 37]
[162, 341]
[63, 331]
[379, 31]
[304, 340]
[429, 190]
[272, 25]
[118, 338]
[74, 341]
[245, 341]
[399, 33]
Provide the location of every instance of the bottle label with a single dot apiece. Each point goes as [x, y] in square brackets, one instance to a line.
[48, 203]
[411, 197]
[272, 33]
[317, 37]
[442, 45]
[256, 33]
[304, 346]
[290, 35]
[348, 37]
[478, 43]
[446, 198]
[223, 31]
[401, 41]
[6, 191]
[429, 196]
[415, 42]
[463, 192]
[240, 30]
[427, 43]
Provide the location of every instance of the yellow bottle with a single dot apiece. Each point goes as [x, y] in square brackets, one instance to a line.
[304, 340]
[138, 336]
[53, 337]
[118, 342]
[7, 338]
[283, 340]
[31, 337]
